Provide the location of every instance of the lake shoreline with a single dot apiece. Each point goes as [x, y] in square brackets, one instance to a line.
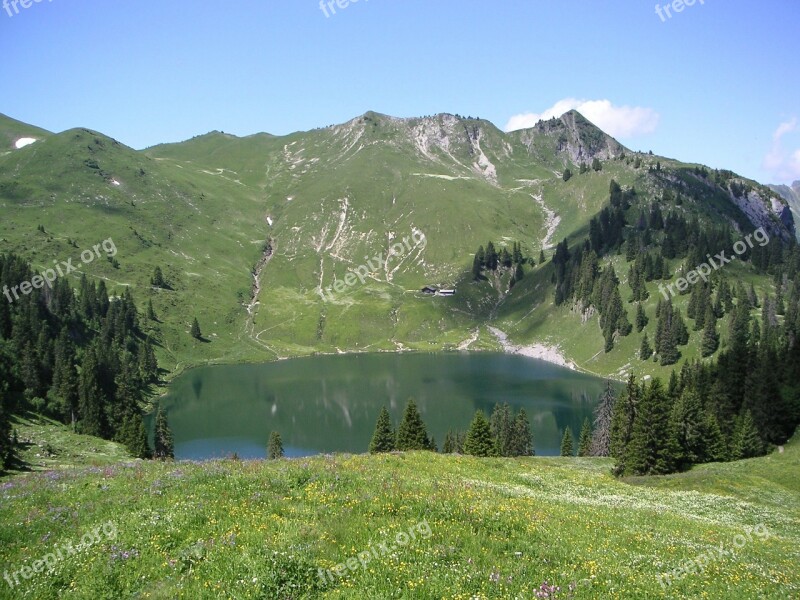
[550, 354]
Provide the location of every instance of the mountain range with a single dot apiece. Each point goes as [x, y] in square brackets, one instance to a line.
[256, 236]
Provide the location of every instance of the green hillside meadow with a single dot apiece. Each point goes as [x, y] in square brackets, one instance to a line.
[483, 528]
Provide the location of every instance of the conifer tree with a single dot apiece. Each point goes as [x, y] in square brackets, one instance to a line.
[566, 443]
[164, 445]
[505, 258]
[746, 442]
[501, 426]
[134, 436]
[585, 439]
[476, 268]
[710, 341]
[491, 257]
[687, 424]
[6, 445]
[680, 334]
[763, 398]
[521, 441]
[275, 446]
[667, 332]
[195, 330]
[517, 253]
[481, 256]
[453, 442]
[148, 365]
[645, 351]
[90, 397]
[716, 448]
[449, 443]
[479, 440]
[383, 439]
[542, 259]
[652, 448]
[641, 318]
[412, 433]
[151, 313]
[603, 415]
[157, 280]
[625, 411]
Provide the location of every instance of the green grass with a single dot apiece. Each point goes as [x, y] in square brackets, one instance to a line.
[498, 528]
[45, 444]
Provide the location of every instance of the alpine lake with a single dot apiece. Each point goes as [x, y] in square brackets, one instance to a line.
[326, 404]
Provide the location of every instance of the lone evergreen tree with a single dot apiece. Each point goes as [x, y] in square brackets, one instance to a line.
[383, 440]
[585, 439]
[542, 259]
[412, 433]
[567, 175]
[164, 445]
[275, 446]
[151, 313]
[157, 280]
[645, 351]
[479, 440]
[566, 443]
[195, 331]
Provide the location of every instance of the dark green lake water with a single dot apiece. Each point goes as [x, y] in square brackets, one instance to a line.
[330, 403]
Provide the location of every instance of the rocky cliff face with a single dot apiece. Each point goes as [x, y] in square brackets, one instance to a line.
[573, 136]
[792, 195]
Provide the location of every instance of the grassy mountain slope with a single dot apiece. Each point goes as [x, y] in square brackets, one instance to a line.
[485, 528]
[252, 232]
[12, 130]
[45, 445]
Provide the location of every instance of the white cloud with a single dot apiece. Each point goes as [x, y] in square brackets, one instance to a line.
[617, 121]
[784, 128]
[782, 164]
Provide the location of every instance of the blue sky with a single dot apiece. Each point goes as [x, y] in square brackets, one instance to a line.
[717, 83]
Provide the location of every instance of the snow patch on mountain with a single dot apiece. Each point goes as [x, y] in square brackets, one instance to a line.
[24, 141]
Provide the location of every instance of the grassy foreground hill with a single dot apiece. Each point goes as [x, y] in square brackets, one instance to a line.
[423, 525]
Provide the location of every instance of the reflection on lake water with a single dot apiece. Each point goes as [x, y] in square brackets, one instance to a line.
[330, 403]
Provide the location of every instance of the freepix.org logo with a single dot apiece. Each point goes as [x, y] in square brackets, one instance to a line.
[8, 5]
[48, 276]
